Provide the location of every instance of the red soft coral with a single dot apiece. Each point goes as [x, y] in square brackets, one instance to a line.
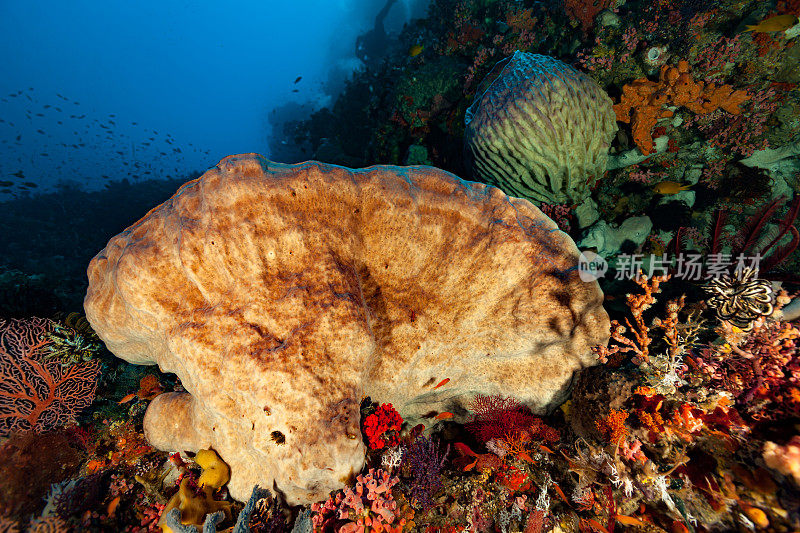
[382, 427]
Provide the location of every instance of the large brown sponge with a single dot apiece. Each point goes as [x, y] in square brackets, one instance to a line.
[283, 294]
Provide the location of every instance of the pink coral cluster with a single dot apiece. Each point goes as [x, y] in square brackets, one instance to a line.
[630, 40]
[715, 61]
[369, 503]
[595, 63]
[482, 56]
[645, 177]
[714, 172]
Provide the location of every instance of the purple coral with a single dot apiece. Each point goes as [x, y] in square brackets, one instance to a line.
[424, 461]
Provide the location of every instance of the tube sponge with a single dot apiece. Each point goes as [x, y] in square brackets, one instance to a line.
[539, 129]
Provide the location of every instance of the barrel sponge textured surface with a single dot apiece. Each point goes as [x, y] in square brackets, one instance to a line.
[540, 129]
[281, 295]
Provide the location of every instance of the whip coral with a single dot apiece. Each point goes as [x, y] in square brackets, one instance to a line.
[424, 460]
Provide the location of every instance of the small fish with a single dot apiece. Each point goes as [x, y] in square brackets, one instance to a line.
[18, 174]
[415, 50]
[776, 23]
[298, 79]
[443, 416]
[628, 520]
[295, 90]
[669, 187]
[445, 381]
[29, 184]
[127, 398]
[113, 505]
[6, 183]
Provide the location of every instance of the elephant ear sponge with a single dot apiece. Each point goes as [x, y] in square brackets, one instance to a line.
[281, 295]
[539, 129]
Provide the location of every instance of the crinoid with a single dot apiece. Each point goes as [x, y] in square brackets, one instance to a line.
[741, 298]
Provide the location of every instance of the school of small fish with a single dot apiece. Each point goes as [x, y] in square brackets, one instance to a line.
[63, 139]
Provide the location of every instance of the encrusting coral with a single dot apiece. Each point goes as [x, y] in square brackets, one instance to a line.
[642, 102]
[283, 294]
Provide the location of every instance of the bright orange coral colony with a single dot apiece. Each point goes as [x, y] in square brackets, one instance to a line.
[643, 100]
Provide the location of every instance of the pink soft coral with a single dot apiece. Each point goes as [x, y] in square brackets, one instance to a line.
[369, 503]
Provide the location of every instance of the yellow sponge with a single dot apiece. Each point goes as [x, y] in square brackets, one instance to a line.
[215, 472]
[195, 507]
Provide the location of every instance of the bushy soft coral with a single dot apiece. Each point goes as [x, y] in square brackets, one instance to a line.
[369, 503]
[382, 427]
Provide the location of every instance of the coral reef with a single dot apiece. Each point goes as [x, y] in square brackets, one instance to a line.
[688, 421]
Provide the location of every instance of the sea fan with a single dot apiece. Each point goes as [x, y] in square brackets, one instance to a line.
[497, 416]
